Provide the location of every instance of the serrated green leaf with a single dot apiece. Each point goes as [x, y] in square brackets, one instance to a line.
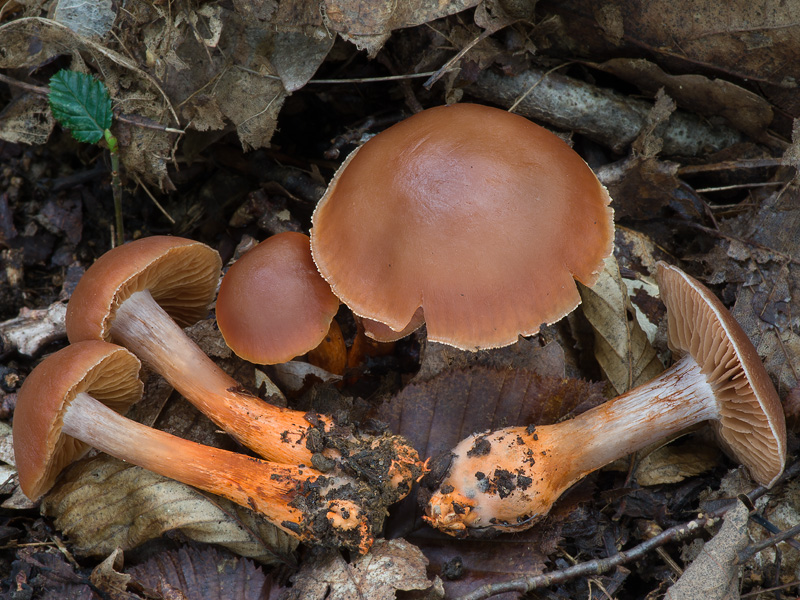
[81, 104]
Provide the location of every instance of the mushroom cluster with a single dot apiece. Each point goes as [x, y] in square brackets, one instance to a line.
[479, 230]
[322, 483]
[73, 401]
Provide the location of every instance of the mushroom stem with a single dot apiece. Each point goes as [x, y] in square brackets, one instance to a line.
[299, 500]
[509, 478]
[273, 432]
[278, 434]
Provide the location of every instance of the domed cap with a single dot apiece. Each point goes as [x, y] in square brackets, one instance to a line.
[108, 373]
[478, 216]
[751, 425]
[181, 274]
[272, 303]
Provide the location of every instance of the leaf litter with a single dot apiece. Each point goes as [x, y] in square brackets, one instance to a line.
[716, 194]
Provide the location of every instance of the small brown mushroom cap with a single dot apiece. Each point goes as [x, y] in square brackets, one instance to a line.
[181, 274]
[106, 372]
[273, 305]
[752, 426]
[479, 216]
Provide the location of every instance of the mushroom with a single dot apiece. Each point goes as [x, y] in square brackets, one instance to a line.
[272, 304]
[508, 479]
[476, 215]
[72, 401]
[131, 295]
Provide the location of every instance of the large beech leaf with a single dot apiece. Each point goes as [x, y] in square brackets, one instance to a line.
[621, 346]
[437, 414]
[104, 503]
[193, 573]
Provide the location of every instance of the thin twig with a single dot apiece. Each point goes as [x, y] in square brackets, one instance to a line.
[754, 549]
[785, 586]
[739, 186]
[448, 66]
[353, 80]
[746, 163]
[719, 234]
[153, 199]
[43, 90]
[513, 107]
[593, 567]
[599, 566]
[36, 89]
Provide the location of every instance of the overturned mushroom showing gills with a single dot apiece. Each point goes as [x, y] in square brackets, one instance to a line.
[140, 295]
[71, 401]
[272, 304]
[508, 479]
[477, 216]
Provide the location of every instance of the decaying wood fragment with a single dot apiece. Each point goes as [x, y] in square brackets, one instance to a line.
[603, 115]
[33, 329]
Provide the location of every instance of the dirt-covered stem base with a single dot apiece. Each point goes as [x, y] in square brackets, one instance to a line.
[278, 434]
[509, 478]
[309, 505]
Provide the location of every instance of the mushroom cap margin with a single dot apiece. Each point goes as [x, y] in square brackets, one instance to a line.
[107, 372]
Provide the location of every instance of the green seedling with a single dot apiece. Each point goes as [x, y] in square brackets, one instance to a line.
[81, 104]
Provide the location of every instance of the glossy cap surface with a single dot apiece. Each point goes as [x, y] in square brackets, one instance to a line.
[273, 305]
[479, 216]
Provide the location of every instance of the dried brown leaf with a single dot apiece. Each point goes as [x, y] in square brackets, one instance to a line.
[649, 143]
[52, 577]
[107, 578]
[765, 276]
[90, 19]
[389, 566]
[527, 353]
[465, 564]
[26, 120]
[714, 574]
[368, 23]
[103, 504]
[737, 39]
[743, 109]
[673, 463]
[202, 574]
[621, 345]
[435, 415]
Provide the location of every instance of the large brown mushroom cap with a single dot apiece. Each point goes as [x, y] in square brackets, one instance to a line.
[477, 215]
[272, 303]
[181, 275]
[106, 372]
[751, 425]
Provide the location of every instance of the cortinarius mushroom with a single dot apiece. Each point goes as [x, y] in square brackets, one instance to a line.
[508, 479]
[476, 215]
[131, 295]
[272, 304]
[71, 401]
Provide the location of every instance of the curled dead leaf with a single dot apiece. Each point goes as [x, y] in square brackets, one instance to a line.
[621, 345]
[104, 503]
[389, 566]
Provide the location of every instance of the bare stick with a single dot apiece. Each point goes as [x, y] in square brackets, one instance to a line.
[599, 566]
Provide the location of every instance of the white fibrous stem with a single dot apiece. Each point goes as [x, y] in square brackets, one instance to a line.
[293, 498]
[278, 434]
[509, 478]
[275, 433]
